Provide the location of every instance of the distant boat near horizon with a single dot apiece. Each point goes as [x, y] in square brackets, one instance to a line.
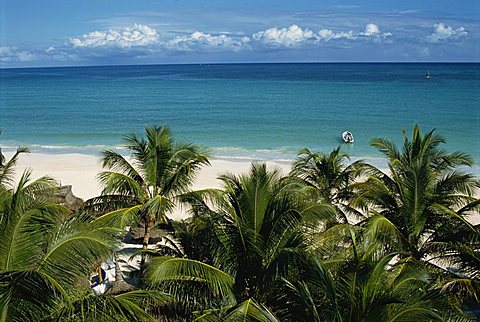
[428, 75]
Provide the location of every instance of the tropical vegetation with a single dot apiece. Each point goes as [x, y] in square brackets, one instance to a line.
[145, 187]
[332, 240]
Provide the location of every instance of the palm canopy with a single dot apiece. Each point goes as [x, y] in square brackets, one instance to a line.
[363, 285]
[260, 233]
[422, 204]
[328, 177]
[146, 186]
[43, 257]
[257, 237]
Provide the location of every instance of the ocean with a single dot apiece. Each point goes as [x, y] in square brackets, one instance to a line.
[251, 111]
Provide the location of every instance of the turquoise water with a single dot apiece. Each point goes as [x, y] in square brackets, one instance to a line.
[265, 111]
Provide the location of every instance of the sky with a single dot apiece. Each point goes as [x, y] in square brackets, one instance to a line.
[117, 32]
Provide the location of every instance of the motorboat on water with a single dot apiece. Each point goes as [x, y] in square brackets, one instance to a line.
[427, 75]
[347, 137]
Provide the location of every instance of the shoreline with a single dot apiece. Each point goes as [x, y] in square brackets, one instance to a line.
[80, 171]
[245, 156]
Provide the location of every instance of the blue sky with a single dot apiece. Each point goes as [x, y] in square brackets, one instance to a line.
[99, 32]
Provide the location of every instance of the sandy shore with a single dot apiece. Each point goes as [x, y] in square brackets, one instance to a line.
[80, 171]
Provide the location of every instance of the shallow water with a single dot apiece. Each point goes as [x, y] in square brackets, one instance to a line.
[265, 111]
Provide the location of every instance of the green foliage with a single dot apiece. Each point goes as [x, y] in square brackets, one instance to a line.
[328, 242]
[145, 186]
[165, 269]
[421, 205]
[46, 261]
[256, 238]
[126, 307]
[7, 169]
[328, 179]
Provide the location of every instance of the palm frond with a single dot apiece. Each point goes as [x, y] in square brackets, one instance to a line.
[386, 147]
[129, 306]
[167, 269]
[103, 204]
[76, 243]
[121, 218]
[27, 295]
[115, 162]
[249, 310]
[120, 184]
[158, 206]
[7, 169]
[463, 287]
[379, 228]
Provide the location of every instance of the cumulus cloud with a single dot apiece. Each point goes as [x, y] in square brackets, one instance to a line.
[371, 31]
[442, 32]
[143, 42]
[202, 40]
[295, 35]
[285, 36]
[136, 36]
[14, 54]
[327, 34]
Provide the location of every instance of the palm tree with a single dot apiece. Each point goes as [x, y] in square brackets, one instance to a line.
[145, 187]
[40, 255]
[258, 239]
[363, 284]
[46, 259]
[421, 206]
[328, 178]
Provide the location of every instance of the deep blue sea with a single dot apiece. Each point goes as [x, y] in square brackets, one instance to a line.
[262, 111]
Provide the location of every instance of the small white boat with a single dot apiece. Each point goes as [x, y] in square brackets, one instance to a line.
[347, 137]
[427, 75]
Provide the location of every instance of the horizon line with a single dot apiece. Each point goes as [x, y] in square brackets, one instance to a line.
[248, 63]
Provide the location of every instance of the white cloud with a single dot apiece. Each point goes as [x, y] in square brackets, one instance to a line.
[442, 32]
[372, 30]
[137, 36]
[295, 35]
[143, 42]
[285, 36]
[327, 34]
[13, 54]
[199, 39]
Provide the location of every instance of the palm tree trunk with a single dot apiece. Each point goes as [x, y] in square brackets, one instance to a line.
[146, 235]
[118, 272]
[146, 238]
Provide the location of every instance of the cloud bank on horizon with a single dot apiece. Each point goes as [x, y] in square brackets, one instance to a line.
[147, 37]
[305, 36]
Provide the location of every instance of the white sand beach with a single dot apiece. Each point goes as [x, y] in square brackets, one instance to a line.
[80, 171]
